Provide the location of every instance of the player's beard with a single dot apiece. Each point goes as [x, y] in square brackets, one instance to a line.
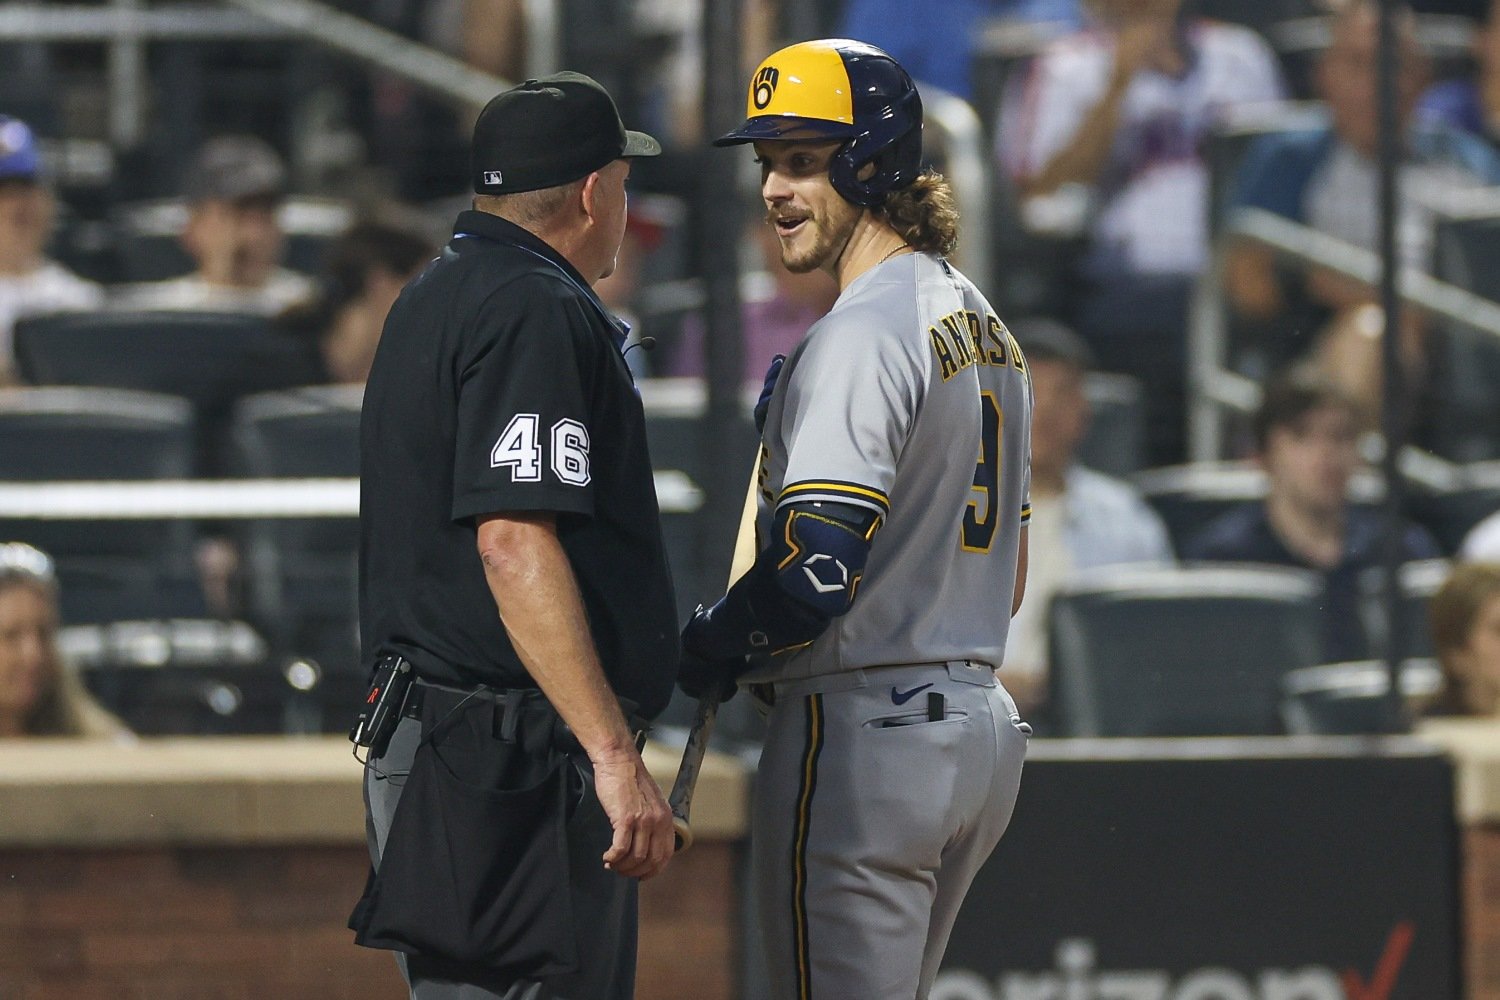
[829, 235]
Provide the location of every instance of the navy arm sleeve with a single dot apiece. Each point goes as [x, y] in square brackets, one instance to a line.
[808, 576]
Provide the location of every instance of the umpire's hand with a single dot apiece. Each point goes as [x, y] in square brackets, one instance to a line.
[637, 811]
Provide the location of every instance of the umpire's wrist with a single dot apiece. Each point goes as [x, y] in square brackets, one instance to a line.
[614, 752]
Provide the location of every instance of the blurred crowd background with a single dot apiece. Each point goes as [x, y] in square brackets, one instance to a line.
[205, 216]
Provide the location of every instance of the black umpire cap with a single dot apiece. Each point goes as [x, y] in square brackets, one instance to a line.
[548, 132]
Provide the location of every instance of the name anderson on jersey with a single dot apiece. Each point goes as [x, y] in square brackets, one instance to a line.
[961, 339]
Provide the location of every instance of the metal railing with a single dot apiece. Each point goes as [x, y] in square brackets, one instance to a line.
[125, 26]
[1218, 390]
[354, 36]
[226, 499]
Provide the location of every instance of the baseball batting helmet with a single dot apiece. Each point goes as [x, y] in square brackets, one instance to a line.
[840, 89]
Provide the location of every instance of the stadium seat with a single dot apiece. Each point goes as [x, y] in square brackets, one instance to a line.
[1340, 699]
[1419, 582]
[1116, 438]
[1451, 514]
[211, 359]
[205, 357]
[106, 568]
[192, 677]
[302, 574]
[1200, 651]
[1189, 497]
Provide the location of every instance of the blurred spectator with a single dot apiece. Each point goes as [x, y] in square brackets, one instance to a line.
[1328, 179]
[419, 140]
[1108, 138]
[619, 291]
[777, 309]
[234, 188]
[1080, 518]
[1465, 617]
[366, 269]
[490, 34]
[938, 47]
[29, 282]
[1306, 434]
[669, 71]
[1471, 105]
[39, 694]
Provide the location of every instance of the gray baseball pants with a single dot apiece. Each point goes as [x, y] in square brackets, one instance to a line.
[880, 794]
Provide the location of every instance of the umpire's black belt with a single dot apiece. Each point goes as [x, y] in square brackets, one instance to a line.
[511, 705]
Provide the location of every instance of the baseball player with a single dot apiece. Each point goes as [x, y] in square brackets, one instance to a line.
[892, 545]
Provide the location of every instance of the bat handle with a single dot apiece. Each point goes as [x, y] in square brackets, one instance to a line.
[681, 799]
[682, 832]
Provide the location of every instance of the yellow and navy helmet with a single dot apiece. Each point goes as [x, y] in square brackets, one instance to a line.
[837, 88]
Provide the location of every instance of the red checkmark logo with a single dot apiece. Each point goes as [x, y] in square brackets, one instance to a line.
[1387, 969]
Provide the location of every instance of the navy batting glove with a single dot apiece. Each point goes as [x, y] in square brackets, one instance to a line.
[764, 403]
[699, 672]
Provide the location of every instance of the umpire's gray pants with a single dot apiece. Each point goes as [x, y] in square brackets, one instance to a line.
[871, 822]
[608, 971]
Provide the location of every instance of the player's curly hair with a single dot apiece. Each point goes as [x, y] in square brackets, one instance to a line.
[924, 214]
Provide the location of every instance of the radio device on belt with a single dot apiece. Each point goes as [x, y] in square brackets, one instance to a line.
[383, 703]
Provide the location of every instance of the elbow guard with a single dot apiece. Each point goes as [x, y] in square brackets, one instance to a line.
[808, 576]
[820, 552]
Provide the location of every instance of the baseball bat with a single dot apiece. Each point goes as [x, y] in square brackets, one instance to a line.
[681, 799]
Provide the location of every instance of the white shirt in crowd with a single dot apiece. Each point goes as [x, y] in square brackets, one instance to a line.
[1151, 201]
[50, 288]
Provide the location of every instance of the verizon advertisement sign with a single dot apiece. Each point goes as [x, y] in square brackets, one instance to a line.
[1218, 870]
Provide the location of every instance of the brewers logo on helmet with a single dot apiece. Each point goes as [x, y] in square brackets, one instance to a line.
[840, 89]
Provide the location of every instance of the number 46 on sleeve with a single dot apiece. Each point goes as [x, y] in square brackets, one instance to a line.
[520, 449]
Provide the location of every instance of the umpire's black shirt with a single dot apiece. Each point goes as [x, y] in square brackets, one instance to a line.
[499, 386]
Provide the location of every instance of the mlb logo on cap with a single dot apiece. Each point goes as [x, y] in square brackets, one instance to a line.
[550, 132]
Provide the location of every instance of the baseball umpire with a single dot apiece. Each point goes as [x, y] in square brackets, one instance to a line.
[516, 605]
[892, 547]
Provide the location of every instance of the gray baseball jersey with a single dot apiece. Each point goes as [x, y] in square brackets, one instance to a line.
[912, 399]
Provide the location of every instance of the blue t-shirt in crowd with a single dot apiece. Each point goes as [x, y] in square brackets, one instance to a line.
[1456, 104]
[1279, 168]
[1245, 535]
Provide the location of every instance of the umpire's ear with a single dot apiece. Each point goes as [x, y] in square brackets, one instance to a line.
[600, 197]
[589, 195]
